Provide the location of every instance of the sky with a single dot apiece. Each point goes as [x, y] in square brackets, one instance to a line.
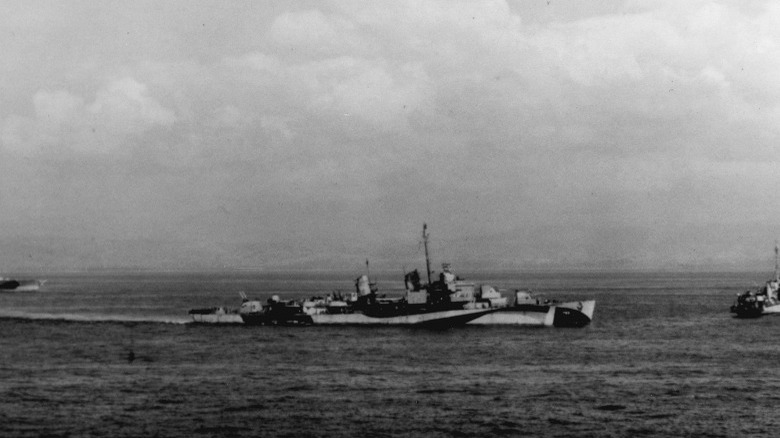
[308, 135]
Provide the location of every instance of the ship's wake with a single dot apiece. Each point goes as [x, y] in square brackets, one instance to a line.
[79, 317]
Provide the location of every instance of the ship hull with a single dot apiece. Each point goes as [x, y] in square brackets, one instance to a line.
[217, 319]
[432, 319]
[570, 314]
[264, 319]
[745, 313]
[215, 315]
[440, 319]
[749, 312]
[21, 285]
[771, 310]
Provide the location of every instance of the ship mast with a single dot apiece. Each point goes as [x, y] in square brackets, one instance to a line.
[777, 267]
[427, 260]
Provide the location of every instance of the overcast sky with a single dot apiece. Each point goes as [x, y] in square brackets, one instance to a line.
[307, 134]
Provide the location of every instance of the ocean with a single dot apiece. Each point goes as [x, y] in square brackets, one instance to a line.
[112, 354]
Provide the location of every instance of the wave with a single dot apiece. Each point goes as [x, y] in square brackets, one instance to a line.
[79, 317]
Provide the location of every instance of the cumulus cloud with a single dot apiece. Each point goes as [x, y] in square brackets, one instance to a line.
[544, 115]
[313, 34]
[125, 103]
[64, 120]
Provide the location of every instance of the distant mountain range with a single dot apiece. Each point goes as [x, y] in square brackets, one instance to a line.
[466, 255]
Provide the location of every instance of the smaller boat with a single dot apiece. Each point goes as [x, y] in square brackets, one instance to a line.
[763, 301]
[749, 304]
[753, 304]
[10, 284]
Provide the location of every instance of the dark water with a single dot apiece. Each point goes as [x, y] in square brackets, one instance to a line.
[111, 355]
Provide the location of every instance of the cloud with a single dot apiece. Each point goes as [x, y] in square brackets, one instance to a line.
[639, 95]
[124, 104]
[121, 108]
[313, 34]
[488, 116]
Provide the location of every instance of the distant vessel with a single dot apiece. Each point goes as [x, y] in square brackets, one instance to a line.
[764, 301]
[10, 284]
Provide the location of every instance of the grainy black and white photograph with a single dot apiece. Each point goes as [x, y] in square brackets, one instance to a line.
[428, 218]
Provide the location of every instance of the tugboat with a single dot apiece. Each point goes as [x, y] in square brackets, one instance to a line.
[764, 301]
[10, 284]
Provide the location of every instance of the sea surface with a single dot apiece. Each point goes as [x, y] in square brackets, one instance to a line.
[113, 354]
